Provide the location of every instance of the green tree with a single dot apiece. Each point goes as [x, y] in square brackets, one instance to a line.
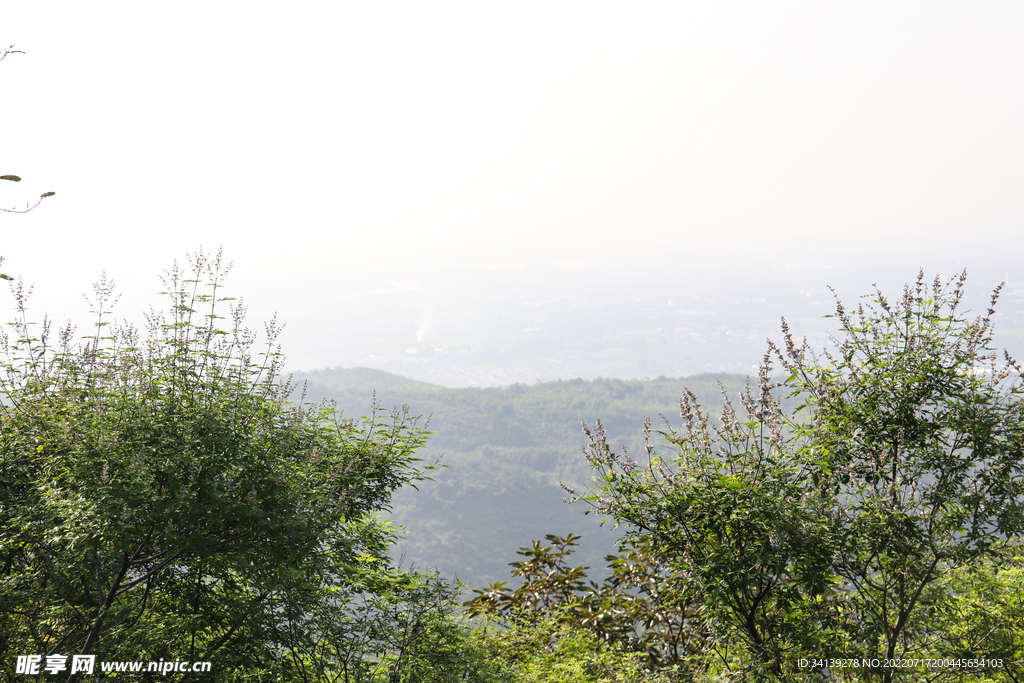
[733, 514]
[549, 583]
[160, 497]
[827, 529]
[640, 607]
[915, 438]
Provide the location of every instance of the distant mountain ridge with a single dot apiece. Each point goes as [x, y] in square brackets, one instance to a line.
[505, 448]
[346, 379]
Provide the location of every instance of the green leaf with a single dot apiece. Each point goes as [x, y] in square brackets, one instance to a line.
[731, 482]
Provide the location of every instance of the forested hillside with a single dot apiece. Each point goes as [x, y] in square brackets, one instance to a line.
[505, 450]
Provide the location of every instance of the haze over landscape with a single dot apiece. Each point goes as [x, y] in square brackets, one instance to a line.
[510, 218]
[480, 195]
[485, 196]
[540, 179]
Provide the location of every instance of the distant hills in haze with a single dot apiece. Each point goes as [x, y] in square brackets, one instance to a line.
[507, 444]
[465, 327]
[505, 449]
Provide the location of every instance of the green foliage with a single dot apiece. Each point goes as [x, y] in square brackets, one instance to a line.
[830, 529]
[915, 441]
[161, 498]
[639, 608]
[400, 627]
[552, 650]
[980, 609]
[733, 516]
[548, 584]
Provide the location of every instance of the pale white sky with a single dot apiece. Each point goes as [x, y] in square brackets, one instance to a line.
[329, 146]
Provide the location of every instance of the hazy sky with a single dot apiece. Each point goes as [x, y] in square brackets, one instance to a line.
[329, 147]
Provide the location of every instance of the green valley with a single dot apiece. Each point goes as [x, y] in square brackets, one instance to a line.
[504, 451]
